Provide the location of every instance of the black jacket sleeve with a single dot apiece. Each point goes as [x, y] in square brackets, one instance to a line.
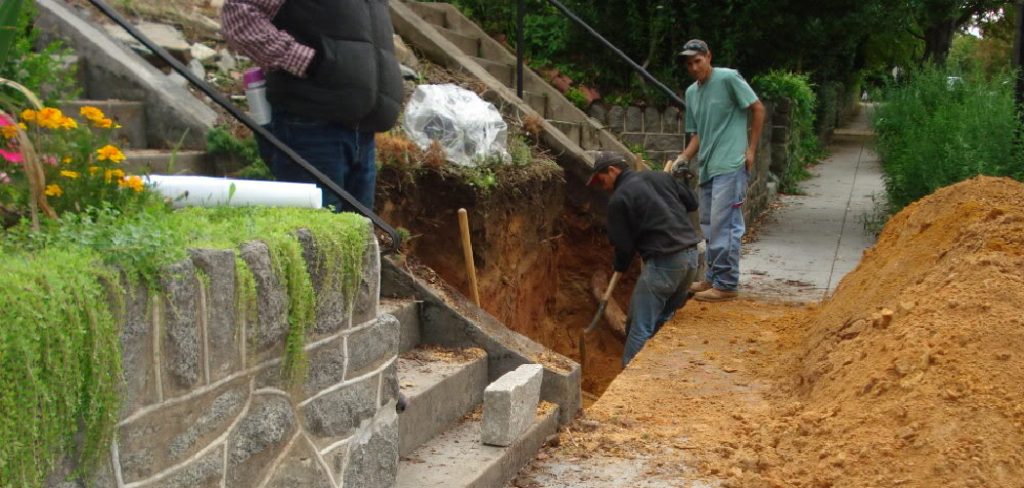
[686, 195]
[620, 234]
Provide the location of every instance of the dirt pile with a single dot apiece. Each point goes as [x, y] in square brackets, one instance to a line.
[911, 374]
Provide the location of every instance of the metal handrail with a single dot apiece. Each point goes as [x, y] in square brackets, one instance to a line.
[217, 97]
[672, 97]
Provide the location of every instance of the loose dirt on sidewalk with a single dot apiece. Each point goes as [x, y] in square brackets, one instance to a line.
[909, 376]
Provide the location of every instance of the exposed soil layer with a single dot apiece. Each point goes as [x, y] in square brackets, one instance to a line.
[908, 376]
[534, 255]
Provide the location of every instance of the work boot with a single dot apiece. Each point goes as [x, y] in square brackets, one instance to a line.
[715, 295]
[699, 286]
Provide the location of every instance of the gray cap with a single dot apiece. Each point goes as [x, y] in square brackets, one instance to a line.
[693, 46]
[605, 160]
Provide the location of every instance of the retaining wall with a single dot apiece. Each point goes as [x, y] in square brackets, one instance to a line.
[204, 402]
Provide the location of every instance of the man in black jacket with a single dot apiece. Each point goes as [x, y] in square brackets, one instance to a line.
[332, 82]
[647, 215]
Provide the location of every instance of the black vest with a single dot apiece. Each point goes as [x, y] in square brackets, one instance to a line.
[358, 82]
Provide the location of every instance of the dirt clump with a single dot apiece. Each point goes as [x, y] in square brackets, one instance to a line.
[908, 376]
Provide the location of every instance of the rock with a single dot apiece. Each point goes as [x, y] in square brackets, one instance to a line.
[163, 35]
[197, 69]
[405, 55]
[226, 63]
[202, 53]
[510, 405]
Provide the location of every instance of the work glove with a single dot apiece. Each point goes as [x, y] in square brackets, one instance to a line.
[681, 169]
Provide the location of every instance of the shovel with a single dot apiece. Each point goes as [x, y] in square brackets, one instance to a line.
[597, 318]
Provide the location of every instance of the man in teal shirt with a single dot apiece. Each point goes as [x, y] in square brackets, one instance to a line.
[725, 118]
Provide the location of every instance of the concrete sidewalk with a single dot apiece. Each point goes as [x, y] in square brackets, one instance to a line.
[806, 246]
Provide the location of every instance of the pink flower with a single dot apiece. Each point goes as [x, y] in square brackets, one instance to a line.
[5, 120]
[50, 159]
[4, 179]
[12, 156]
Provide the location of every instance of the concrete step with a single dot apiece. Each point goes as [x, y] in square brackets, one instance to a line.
[536, 101]
[167, 162]
[503, 72]
[457, 458]
[131, 115]
[408, 314]
[570, 129]
[435, 13]
[467, 44]
[440, 386]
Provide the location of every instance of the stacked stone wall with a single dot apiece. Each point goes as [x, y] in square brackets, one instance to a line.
[204, 402]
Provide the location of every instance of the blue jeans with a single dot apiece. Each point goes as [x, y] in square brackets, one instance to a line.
[660, 290]
[721, 220]
[346, 156]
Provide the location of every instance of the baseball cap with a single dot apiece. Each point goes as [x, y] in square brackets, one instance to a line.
[605, 160]
[693, 46]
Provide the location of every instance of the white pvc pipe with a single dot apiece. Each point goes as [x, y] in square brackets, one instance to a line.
[202, 191]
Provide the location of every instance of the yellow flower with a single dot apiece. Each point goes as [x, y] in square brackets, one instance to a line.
[69, 174]
[53, 191]
[66, 160]
[68, 123]
[134, 182]
[51, 118]
[106, 124]
[9, 131]
[92, 113]
[28, 115]
[110, 152]
[111, 174]
[94, 169]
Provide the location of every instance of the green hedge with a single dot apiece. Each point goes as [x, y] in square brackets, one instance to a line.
[804, 145]
[933, 132]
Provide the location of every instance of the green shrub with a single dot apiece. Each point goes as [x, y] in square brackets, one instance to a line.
[932, 133]
[804, 145]
[245, 152]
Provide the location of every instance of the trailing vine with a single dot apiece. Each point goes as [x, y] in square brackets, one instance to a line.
[60, 358]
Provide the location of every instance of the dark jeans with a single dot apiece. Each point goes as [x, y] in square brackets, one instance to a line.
[346, 156]
[660, 291]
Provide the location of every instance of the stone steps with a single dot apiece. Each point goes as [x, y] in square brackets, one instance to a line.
[167, 162]
[457, 458]
[440, 386]
[130, 114]
[408, 314]
[499, 62]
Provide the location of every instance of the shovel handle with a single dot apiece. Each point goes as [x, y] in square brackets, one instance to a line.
[611, 286]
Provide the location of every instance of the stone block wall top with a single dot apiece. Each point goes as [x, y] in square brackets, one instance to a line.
[181, 349]
[510, 405]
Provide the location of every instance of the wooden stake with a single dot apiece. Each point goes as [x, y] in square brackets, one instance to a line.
[467, 252]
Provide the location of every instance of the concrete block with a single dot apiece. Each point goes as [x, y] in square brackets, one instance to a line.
[222, 334]
[439, 390]
[408, 314]
[171, 435]
[671, 120]
[338, 413]
[652, 120]
[331, 304]
[510, 405]
[599, 112]
[271, 327]
[139, 386]
[300, 468]
[616, 119]
[665, 142]
[373, 454]
[372, 346]
[634, 121]
[181, 354]
[259, 439]
[367, 300]
[326, 366]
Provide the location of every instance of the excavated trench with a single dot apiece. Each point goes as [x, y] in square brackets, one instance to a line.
[535, 252]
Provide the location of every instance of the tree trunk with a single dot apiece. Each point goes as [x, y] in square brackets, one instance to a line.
[938, 39]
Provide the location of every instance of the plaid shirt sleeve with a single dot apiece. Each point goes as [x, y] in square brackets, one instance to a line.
[248, 29]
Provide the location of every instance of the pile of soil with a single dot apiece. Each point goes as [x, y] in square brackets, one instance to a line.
[908, 376]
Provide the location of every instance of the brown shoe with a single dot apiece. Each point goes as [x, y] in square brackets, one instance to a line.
[716, 295]
[699, 286]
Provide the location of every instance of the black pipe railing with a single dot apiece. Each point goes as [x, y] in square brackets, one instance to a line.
[218, 98]
[672, 97]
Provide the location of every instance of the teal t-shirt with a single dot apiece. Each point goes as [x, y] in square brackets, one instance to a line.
[717, 112]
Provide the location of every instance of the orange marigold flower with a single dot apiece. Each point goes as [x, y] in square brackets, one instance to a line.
[9, 131]
[110, 152]
[94, 169]
[68, 123]
[53, 191]
[69, 174]
[104, 123]
[28, 115]
[91, 113]
[134, 182]
[112, 174]
[49, 117]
